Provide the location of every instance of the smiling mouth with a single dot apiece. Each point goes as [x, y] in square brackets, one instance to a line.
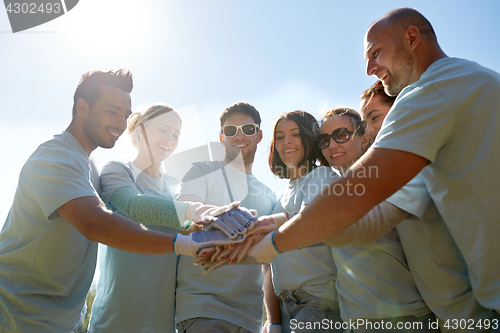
[164, 147]
[337, 155]
[115, 133]
[241, 145]
[382, 78]
[289, 151]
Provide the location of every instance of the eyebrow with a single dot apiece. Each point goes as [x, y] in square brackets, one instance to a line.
[293, 129]
[370, 113]
[116, 107]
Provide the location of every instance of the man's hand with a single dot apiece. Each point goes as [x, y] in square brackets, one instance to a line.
[192, 244]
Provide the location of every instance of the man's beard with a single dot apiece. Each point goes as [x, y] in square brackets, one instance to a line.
[400, 76]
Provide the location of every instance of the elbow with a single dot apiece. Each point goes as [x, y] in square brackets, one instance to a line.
[92, 226]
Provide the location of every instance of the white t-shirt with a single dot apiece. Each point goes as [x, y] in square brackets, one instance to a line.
[311, 269]
[231, 293]
[46, 264]
[438, 268]
[451, 116]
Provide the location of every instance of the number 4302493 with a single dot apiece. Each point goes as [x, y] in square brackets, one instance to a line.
[33, 8]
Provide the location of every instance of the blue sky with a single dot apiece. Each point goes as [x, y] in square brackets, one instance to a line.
[203, 55]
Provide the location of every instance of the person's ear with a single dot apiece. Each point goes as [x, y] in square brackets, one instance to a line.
[259, 136]
[364, 142]
[412, 36]
[82, 107]
[221, 137]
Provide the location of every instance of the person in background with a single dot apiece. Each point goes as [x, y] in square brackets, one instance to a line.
[228, 299]
[303, 280]
[374, 282]
[136, 292]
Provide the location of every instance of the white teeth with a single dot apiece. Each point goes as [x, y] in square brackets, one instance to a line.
[289, 150]
[113, 133]
[164, 147]
[240, 146]
[338, 154]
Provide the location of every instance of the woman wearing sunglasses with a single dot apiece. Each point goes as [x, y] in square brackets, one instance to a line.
[303, 280]
[136, 292]
[373, 281]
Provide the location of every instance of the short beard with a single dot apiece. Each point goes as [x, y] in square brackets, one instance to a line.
[401, 73]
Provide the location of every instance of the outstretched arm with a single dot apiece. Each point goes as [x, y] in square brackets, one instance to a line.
[378, 222]
[90, 216]
[376, 175]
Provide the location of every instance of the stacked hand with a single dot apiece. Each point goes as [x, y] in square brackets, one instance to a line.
[231, 235]
[257, 248]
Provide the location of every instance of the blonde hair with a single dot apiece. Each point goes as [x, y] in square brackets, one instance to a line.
[143, 115]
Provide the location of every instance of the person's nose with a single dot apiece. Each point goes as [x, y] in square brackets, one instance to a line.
[239, 134]
[371, 67]
[333, 143]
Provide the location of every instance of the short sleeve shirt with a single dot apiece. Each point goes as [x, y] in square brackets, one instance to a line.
[47, 265]
[451, 117]
[231, 293]
[311, 269]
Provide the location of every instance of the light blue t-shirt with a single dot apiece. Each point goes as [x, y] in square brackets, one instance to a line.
[231, 293]
[451, 116]
[374, 281]
[46, 264]
[135, 292]
[311, 269]
[438, 268]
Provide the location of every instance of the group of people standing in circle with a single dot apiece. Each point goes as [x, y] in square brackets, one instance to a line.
[396, 259]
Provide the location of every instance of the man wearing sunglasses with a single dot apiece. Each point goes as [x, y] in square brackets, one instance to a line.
[228, 299]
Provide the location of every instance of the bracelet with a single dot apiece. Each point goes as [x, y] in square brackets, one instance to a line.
[274, 244]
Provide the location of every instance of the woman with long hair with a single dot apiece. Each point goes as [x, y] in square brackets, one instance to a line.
[303, 281]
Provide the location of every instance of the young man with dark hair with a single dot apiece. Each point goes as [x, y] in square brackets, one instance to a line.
[48, 244]
[228, 299]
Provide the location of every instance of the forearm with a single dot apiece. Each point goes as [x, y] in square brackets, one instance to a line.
[271, 301]
[338, 206]
[149, 209]
[89, 216]
[378, 222]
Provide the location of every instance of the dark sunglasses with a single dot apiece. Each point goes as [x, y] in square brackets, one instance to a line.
[340, 135]
[247, 129]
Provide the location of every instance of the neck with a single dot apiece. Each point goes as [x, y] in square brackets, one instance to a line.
[296, 172]
[427, 57]
[144, 163]
[77, 131]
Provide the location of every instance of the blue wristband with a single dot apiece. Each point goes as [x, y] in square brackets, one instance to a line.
[173, 243]
[274, 244]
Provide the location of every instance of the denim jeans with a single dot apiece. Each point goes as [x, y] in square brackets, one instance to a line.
[303, 312]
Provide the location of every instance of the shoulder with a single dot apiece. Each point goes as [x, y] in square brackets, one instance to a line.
[114, 166]
[60, 152]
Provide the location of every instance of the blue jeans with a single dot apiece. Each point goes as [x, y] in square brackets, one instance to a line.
[303, 312]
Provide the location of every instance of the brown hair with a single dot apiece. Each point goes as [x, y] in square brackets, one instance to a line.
[353, 115]
[240, 107]
[89, 87]
[377, 90]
